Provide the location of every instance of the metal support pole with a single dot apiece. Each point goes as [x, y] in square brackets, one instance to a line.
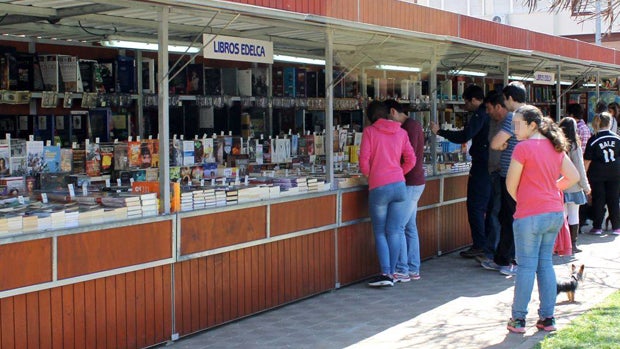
[506, 70]
[597, 35]
[139, 106]
[558, 94]
[432, 90]
[329, 107]
[163, 113]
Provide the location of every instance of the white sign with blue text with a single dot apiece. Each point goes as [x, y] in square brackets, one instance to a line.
[544, 78]
[231, 48]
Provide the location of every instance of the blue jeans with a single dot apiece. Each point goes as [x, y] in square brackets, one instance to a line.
[389, 211]
[478, 196]
[534, 239]
[492, 225]
[409, 259]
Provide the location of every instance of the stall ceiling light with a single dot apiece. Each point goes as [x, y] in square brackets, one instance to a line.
[293, 59]
[147, 46]
[467, 72]
[398, 68]
[591, 85]
[520, 78]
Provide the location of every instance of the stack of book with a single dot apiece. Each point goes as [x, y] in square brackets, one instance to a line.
[149, 204]
[199, 199]
[72, 216]
[30, 223]
[232, 196]
[220, 197]
[90, 214]
[4, 225]
[187, 199]
[209, 195]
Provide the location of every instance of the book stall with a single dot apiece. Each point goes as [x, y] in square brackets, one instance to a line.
[150, 192]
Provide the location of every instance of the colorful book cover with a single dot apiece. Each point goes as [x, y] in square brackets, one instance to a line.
[154, 147]
[219, 150]
[133, 154]
[267, 151]
[34, 150]
[176, 152]
[309, 144]
[207, 145]
[146, 154]
[18, 166]
[93, 160]
[78, 161]
[18, 148]
[175, 173]
[198, 151]
[294, 145]
[51, 158]
[5, 156]
[319, 145]
[107, 158]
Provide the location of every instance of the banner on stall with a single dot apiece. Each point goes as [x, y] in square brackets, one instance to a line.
[544, 78]
[231, 48]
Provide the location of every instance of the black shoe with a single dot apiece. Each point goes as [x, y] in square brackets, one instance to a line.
[547, 324]
[472, 253]
[381, 281]
[576, 249]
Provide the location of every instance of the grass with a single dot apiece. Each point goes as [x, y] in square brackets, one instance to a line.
[598, 328]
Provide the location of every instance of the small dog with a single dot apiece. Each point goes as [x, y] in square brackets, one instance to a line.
[570, 286]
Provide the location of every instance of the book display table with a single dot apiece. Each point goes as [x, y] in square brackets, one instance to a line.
[141, 282]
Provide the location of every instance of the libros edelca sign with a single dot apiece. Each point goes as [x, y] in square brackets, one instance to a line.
[544, 78]
[237, 49]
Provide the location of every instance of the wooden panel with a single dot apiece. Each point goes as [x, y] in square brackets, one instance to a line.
[90, 314]
[455, 187]
[25, 263]
[357, 256]
[230, 293]
[113, 248]
[298, 215]
[430, 195]
[210, 231]
[455, 232]
[428, 232]
[354, 205]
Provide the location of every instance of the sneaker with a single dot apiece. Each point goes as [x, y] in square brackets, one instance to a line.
[576, 250]
[481, 258]
[547, 324]
[595, 231]
[510, 270]
[616, 232]
[401, 277]
[516, 325]
[472, 252]
[381, 280]
[490, 265]
[414, 276]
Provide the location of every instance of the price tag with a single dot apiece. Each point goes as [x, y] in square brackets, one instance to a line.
[246, 181]
[107, 182]
[84, 190]
[150, 137]
[31, 138]
[48, 142]
[118, 182]
[202, 182]
[129, 139]
[96, 140]
[20, 199]
[44, 198]
[131, 181]
[71, 190]
[212, 181]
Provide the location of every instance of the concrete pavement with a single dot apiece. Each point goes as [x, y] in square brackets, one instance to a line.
[456, 304]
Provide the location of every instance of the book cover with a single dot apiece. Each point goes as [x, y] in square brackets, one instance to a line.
[145, 154]
[300, 83]
[154, 148]
[207, 145]
[311, 84]
[66, 160]
[309, 140]
[294, 145]
[213, 82]
[5, 156]
[290, 77]
[121, 158]
[260, 85]
[133, 153]
[175, 173]
[267, 151]
[319, 145]
[126, 74]
[34, 151]
[79, 161]
[93, 160]
[18, 147]
[51, 158]
[188, 153]
[107, 158]
[219, 150]
[176, 152]
[278, 82]
[229, 82]
[195, 79]
[244, 82]
[198, 151]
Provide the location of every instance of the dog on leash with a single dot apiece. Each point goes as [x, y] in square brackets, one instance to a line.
[570, 286]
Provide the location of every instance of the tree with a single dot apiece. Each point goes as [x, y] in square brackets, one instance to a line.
[608, 8]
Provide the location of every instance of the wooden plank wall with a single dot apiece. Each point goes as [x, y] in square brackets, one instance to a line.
[454, 232]
[131, 310]
[219, 288]
[357, 256]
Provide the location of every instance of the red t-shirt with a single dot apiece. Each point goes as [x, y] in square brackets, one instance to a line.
[537, 192]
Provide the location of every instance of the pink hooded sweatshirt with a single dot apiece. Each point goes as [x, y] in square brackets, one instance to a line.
[384, 145]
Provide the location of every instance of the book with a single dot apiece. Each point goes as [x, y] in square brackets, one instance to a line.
[35, 161]
[121, 157]
[188, 153]
[18, 166]
[244, 82]
[107, 157]
[66, 160]
[93, 159]
[51, 158]
[154, 148]
[5, 156]
[133, 153]
[176, 152]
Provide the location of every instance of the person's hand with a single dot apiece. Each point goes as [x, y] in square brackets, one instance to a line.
[587, 192]
[434, 127]
[504, 146]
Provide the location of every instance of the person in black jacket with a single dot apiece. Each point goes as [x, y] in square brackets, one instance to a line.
[479, 183]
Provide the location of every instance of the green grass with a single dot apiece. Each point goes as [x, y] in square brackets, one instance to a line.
[598, 328]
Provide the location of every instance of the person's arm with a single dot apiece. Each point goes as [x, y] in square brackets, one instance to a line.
[365, 150]
[576, 157]
[513, 177]
[472, 128]
[408, 155]
[500, 140]
[569, 172]
[586, 164]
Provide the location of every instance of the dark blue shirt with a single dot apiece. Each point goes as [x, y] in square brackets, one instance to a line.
[476, 129]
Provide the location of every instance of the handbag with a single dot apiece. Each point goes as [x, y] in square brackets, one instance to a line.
[563, 245]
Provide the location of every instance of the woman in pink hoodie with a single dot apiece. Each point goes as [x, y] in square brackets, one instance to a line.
[385, 156]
